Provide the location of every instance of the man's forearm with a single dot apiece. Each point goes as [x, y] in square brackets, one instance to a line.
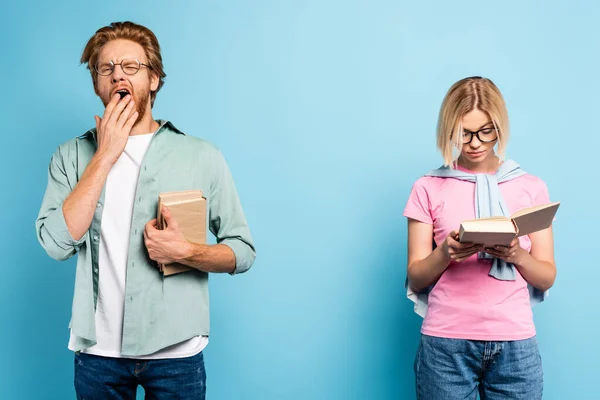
[209, 258]
[79, 207]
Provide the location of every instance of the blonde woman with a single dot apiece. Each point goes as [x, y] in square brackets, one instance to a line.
[478, 333]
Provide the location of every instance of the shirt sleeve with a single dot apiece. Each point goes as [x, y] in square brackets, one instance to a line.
[51, 228]
[542, 196]
[418, 206]
[227, 219]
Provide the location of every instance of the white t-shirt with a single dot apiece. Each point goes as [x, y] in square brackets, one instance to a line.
[119, 197]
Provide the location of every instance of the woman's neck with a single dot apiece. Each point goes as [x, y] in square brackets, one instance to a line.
[488, 166]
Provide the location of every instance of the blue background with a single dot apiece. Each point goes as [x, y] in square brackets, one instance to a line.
[326, 113]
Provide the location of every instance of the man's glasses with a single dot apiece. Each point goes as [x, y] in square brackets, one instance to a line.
[129, 67]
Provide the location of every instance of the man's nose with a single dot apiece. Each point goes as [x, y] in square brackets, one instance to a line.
[117, 74]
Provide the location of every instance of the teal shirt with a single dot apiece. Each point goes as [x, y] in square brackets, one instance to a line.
[159, 311]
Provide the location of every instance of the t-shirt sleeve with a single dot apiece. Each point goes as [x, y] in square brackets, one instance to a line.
[418, 206]
[541, 193]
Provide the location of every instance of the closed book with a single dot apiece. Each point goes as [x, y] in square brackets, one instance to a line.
[188, 208]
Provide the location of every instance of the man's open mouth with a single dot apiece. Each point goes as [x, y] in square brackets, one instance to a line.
[123, 92]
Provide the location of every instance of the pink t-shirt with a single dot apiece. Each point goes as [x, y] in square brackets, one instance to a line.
[467, 303]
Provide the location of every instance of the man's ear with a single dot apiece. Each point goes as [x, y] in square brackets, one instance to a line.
[154, 81]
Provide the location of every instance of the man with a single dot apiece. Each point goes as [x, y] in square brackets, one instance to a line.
[130, 323]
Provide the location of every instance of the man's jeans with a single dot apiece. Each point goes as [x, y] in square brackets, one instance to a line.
[457, 369]
[117, 378]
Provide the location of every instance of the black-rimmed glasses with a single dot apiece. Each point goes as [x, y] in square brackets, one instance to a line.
[485, 135]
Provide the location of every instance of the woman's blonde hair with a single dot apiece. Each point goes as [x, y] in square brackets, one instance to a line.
[466, 95]
[129, 31]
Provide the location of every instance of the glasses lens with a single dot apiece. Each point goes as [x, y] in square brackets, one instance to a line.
[130, 67]
[104, 68]
[487, 135]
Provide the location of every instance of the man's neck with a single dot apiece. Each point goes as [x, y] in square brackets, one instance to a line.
[146, 125]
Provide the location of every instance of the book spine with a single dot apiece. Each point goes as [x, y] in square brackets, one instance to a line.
[515, 226]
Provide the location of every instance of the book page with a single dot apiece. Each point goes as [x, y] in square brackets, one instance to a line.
[483, 220]
[489, 232]
[530, 210]
[535, 219]
[186, 194]
[488, 239]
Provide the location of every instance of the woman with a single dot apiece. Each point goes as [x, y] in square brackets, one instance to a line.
[478, 332]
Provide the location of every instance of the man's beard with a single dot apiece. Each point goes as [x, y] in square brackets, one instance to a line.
[141, 102]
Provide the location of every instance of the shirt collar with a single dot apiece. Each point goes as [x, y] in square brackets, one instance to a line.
[163, 125]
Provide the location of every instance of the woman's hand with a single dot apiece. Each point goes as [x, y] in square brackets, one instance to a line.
[513, 253]
[456, 251]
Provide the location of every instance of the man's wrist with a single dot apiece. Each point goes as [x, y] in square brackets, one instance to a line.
[104, 160]
[187, 252]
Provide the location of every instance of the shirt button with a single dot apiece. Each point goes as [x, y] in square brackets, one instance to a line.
[95, 270]
[95, 238]
[98, 205]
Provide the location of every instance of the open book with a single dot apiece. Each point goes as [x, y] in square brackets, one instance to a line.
[502, 230]
[188, 208]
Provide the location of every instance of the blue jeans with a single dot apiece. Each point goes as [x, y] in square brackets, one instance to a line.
[457, 369]
[117, 378]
